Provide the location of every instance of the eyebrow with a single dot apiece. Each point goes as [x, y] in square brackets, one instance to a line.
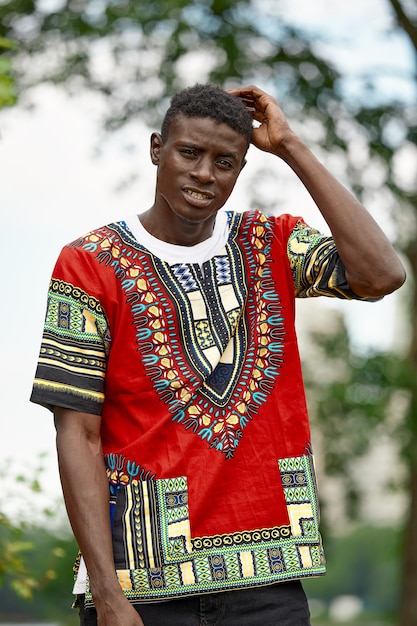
[194, 146]
[229, 154]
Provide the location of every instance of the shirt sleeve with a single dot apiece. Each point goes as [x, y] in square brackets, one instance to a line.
[75, 343]
[316, 266]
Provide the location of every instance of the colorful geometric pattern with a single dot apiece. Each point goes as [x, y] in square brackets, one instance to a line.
[210, 337]
[315, 265]
[74, 348]
[212, 378]
[166, 561]
[299, 487]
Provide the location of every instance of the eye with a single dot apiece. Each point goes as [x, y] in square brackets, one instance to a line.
[225, 164]
[187, 152]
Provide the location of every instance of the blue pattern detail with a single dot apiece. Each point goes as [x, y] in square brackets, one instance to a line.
[220, 378]
[182, 273]
[223, 275]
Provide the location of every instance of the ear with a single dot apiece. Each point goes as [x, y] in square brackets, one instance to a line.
[156, 145]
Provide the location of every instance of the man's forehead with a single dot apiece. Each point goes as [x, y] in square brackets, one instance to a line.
[205, 129]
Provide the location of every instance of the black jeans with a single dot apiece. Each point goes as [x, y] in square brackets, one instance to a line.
[282, 604]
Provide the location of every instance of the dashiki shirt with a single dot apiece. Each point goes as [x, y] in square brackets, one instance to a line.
[196, 374]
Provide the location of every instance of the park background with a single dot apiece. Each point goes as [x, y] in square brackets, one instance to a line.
[92, 79]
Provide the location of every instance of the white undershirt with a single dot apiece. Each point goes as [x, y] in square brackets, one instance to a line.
[172, 254]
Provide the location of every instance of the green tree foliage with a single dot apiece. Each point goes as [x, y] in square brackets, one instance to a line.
[356, 400]
[7, 85]
[39, 587]
[14, 543]
[137, 53]
[363, 563]
[36, 551]
[51, 561]
[14, 548]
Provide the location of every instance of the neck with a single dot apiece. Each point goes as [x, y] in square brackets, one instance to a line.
[182, 233]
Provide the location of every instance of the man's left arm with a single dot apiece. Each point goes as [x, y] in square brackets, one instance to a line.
[373, 268]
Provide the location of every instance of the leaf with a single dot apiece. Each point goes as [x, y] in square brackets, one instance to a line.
[24, 587]
[6, 43]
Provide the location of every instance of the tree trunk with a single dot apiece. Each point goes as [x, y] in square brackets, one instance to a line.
[408, 609]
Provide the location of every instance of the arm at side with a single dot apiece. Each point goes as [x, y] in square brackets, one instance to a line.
[86, 494]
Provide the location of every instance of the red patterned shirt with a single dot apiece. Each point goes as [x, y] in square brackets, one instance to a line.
[196, 373]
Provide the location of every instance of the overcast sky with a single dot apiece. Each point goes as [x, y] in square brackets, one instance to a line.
[54, 187]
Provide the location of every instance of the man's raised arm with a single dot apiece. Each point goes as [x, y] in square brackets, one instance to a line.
[373, 268]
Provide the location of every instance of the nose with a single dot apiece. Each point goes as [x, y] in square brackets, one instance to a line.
[203, 170]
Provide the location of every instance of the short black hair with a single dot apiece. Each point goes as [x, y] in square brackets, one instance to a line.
[209, 101]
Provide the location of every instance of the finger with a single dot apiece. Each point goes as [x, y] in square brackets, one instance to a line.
[249, 104]
[249, 90]
[248, 101]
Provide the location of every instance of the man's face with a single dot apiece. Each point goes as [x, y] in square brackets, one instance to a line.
[198, 166]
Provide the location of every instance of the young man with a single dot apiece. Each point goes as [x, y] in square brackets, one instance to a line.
[169, 358]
